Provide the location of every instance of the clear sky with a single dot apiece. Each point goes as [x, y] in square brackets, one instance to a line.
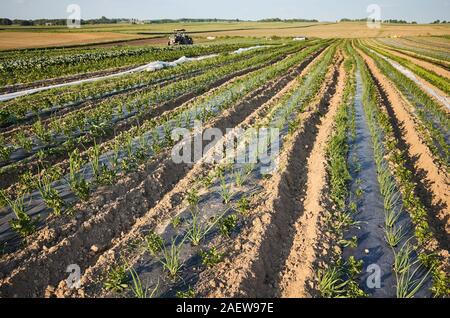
[323, 10]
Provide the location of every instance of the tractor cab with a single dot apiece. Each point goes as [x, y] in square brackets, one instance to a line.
[180, 37]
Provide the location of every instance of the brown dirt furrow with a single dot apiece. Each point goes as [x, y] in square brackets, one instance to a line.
[298, 271]
[258, 252]
[433, 182]
[112, 212]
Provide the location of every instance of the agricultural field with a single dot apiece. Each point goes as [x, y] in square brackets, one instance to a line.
[19, 37]
[246, 167]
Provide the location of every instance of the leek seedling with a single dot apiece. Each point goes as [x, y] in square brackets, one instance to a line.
[137, 288]
[408, 282]
[77, 183]
[94, 156]
[225, 192]
[391, 217]
[394, 235]
[330, 283]
[402, 258]
[239, 178]
[248, 168]
[114, 158]
[197, 231]
[171, 258]
[129, 145]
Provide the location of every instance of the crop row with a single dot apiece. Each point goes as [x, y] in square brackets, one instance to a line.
[32, 68]
[427, 52]
[340, 277]
[93, 123]
[394, 176]
[139, 143]
[427, 59]
[434, 119]
[430, 76]
[59, 98]
[198, 230]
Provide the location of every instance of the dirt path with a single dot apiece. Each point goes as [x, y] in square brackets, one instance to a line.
[298, 270]
[434, 181]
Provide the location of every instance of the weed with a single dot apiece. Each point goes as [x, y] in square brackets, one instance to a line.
[190, 293]
[117, 279]
[211, 257]
[176, 222]
[243, 206]
[193, 198]
[153, 243]
[23, 141]
[49, 194]
[359, 192]
[352, 243]
[226, 225]
[78, 184]
[5, 150]
[23, 224]
[42, 132]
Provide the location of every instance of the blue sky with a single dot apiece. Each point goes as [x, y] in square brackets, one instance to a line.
[324, 10]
